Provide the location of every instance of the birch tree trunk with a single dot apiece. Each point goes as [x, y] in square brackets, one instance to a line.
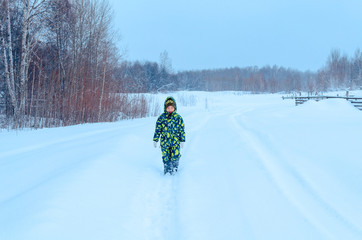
[24, 54]
[9, 66]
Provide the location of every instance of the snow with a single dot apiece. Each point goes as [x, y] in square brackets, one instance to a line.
[253, 167]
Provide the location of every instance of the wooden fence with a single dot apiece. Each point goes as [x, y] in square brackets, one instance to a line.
[356, 101]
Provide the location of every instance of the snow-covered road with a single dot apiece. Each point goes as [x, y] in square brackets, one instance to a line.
[253, 167]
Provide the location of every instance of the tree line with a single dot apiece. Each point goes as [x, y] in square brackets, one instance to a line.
[339, 72]
[59, 66]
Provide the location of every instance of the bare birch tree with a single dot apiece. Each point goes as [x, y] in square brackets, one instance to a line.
[32, 9]
[8, 56]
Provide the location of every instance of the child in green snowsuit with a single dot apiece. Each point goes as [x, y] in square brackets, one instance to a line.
[171, 127]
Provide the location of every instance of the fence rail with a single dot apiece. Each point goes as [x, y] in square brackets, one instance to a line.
[356, 101]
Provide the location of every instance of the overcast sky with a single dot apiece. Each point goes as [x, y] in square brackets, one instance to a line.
[208, 34]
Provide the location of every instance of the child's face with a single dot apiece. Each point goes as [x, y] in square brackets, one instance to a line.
[170, 109]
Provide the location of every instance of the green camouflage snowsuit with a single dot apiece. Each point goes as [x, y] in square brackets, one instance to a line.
[171, 128]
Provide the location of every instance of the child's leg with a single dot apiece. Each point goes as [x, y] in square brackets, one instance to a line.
[166, 158]
[174, 165]
[175, 156]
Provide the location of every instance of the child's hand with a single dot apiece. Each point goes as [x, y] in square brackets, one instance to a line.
[155, 144]
[182, 144]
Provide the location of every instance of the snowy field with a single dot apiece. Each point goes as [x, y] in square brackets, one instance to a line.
[253, 167]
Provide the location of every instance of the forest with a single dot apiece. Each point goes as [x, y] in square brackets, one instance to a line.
[60, 66]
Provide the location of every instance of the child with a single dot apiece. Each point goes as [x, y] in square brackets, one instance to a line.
[171, 127]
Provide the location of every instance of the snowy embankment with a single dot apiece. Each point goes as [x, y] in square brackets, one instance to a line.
[253, 167]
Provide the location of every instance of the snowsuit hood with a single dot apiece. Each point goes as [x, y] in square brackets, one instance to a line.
[164, 105]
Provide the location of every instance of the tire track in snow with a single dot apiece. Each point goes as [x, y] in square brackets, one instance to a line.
[288, 179]
[212, 194]
[154, 209]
